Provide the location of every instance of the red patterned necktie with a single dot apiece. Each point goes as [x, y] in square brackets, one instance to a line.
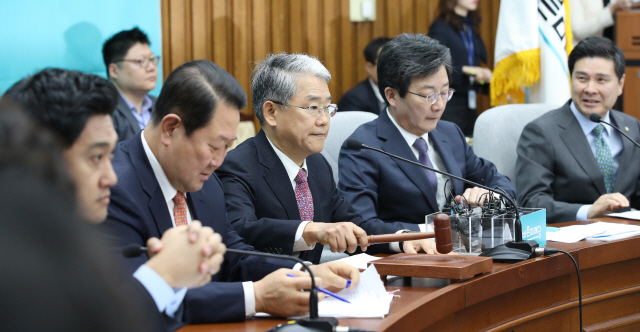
[180, 209]
[303, 196]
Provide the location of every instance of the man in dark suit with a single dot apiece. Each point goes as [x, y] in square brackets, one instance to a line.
[166, 180]
[77, 107]
[279, 189]
[575, 168]
[413, 73]
[365, 96]
[133, 70]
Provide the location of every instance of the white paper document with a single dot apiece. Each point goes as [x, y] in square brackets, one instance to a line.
[369, 299]
[602, 231]
[633, 214]
[359, 261]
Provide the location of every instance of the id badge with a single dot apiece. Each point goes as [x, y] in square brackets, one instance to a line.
[472, 99]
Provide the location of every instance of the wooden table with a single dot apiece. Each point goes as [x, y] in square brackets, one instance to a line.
[540, 294]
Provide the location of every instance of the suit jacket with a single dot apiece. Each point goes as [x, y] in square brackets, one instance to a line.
[261, 202]
[360, 98]
[138, 212]
[556, 168]
[382, 188]
[123, 120]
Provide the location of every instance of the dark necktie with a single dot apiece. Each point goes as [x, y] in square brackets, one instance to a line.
[421, 145]
[604, 158]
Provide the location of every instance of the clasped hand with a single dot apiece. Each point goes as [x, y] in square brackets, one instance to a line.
[186, 256]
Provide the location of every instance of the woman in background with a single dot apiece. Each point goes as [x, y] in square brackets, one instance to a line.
[457, 28]
[594, 17]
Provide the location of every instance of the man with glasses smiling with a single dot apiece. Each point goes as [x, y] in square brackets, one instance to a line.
[133, 70]
[414, 72]
[279, 190]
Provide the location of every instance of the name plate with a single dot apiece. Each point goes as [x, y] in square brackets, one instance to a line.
[534, 226]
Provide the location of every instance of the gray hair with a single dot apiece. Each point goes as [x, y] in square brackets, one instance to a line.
[275, 78]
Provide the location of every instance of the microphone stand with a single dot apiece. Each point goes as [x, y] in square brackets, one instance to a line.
[511, 252]
[598, 119]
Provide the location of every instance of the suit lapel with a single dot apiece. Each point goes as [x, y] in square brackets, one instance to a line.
[124, 109]
[157, 205]
[627, 157]
[276, 176]
[314, 186]
[440, 143]
[396, 144]
[573, 137]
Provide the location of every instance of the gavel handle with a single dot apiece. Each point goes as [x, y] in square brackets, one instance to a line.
[388, 238]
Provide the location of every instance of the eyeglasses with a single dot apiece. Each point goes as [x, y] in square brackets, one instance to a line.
[330, 110]
[144, 63]
[432, 97]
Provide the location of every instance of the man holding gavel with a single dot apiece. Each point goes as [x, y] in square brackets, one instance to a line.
[279, 190]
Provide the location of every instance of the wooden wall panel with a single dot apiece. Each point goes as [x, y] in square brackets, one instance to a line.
[236, 33]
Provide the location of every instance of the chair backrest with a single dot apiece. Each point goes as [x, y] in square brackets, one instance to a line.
[343, 124]
[497, 131]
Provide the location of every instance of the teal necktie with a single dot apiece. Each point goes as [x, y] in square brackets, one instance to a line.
[604, 158]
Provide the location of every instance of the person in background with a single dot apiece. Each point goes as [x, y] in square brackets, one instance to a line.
[590, 18]
[414, 74]
[133, 70]
[456, 27]
[365, 96]
[279, 189]
[574, 168]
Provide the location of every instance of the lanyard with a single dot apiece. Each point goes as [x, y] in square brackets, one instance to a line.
[468, 43]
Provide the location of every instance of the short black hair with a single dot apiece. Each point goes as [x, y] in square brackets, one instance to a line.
[116, 47]
[409, 56]
[193, 90]
[371, 50]
[598, 47]
[64, 100]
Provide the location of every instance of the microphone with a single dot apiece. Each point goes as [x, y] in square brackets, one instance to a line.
[598, 119]
[133, 250]
[314, 323]
[511, 252]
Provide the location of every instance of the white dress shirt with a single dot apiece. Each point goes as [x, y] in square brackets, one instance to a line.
[169, 192]
[610, 135]
[434, 156]
[299, 244]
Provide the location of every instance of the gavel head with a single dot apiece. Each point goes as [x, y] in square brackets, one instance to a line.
[442, 230]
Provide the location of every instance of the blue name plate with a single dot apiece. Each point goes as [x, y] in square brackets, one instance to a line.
[534, 226]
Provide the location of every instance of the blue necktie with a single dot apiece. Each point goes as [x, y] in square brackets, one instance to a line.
[421, 145]
[604, 158]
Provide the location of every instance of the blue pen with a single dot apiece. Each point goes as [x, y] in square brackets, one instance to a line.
[324, 290]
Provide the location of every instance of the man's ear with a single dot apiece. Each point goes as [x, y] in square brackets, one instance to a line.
[392, 96]
[269, 113]
[170, 125]
[112, 69]
[621, 85]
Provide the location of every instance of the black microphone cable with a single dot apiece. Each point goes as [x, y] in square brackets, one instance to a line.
[550, 251]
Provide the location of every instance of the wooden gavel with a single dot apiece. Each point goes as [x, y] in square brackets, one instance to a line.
[441, 231]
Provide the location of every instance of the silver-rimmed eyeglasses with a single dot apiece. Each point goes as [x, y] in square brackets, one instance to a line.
[432, 96]
[314, 111]
[144, 63]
